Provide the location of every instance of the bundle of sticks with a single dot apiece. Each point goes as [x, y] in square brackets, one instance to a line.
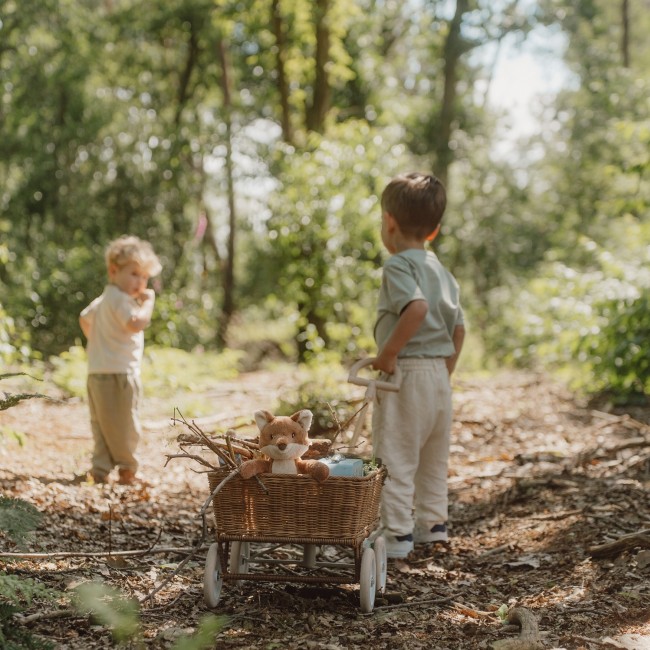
[230, 449]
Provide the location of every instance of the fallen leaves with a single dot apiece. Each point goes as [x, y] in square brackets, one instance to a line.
[534, 487]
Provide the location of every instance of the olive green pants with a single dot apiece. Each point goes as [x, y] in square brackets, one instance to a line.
[114, 401]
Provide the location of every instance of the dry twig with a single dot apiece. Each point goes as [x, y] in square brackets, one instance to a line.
[624, 543]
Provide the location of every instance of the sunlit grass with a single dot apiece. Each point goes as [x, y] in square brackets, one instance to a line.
[165, 371]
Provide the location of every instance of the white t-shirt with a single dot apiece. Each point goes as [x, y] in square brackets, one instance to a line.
[112, 348]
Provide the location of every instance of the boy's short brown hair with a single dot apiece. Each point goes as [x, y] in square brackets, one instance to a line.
[129, 248]
[416, 201]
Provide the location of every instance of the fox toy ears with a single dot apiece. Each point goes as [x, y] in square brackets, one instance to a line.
[303, 418]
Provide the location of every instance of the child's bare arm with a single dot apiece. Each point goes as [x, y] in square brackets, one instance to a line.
[458, 338]
[142, 317]
[85, 326]
[408, 324]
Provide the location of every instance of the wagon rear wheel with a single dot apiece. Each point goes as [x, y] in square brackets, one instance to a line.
[212, 578]
[368, 580]
[381, 561]
[239, 557]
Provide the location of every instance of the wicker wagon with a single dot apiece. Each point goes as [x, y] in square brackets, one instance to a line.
[284, 509]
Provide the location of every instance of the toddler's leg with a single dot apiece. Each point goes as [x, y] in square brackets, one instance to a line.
[431, 480]
[399, 420]
[99, 403]
[120, 425]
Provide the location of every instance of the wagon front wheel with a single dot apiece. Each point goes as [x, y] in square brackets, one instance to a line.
[368, 580]
[212, 578]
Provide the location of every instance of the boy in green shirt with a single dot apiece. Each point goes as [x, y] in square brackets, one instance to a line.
[420, 330]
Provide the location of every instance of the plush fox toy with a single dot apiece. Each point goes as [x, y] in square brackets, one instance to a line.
[284, 440]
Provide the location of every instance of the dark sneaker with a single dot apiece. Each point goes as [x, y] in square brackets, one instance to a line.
[437, 533]
[398, 546]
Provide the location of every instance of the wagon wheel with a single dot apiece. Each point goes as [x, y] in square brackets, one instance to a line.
[239, 557]
[381, 561]
[212, 579]
[368, 580]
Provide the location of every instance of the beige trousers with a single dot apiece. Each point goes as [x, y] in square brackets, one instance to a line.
[410, 433]
[114, 401]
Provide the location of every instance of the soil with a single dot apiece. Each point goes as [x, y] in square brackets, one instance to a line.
[539, 481]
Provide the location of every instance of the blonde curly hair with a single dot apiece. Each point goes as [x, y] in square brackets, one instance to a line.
[129, 248]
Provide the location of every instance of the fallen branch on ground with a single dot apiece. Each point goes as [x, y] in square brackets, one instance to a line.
[624, 543]
[66, 554]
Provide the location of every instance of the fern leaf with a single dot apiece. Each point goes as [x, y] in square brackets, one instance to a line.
[22, 590]
[18, 518]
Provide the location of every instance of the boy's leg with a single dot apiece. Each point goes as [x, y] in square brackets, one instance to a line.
[119, 421]
[398, 420]
[431, 478]
[99, 401]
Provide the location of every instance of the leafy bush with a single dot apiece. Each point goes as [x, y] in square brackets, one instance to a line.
[593, 323]
[618, 351]
[14, 344]
[327, 395]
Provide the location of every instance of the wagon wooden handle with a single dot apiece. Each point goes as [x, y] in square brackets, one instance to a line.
[353, 377]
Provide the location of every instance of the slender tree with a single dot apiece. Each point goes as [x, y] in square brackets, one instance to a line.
[283, 84]
[228, 269]
[320, 103]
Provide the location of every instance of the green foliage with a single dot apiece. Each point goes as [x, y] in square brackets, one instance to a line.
[69, 371]
[204, 637]
[592, 323]
[165, 371]
[327, 395]
[14, 347]
[323, 252]
[120, 127]
[17, 518]
[10, 399]
[618, 352]
[110, 608]
[19, 590]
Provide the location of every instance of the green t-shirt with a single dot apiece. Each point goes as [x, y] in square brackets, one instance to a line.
[417, 274]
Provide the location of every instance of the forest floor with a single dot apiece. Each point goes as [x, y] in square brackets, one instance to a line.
[539, 482]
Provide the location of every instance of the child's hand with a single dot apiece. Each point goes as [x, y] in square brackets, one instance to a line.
[385, 363]
[147, 294]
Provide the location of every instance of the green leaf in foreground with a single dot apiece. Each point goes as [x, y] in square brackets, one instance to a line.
[110, 608]
[204, 638]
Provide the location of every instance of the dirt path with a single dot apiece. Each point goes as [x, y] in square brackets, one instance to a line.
[537, 480]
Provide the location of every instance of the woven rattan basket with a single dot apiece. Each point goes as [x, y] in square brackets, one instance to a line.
[340, 510]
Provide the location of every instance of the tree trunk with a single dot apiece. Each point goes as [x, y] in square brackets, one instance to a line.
[283, 86]
[452, 52]
[228, 282]
[186, 74]
[625, 38]
[317, 112]
[312, 319]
